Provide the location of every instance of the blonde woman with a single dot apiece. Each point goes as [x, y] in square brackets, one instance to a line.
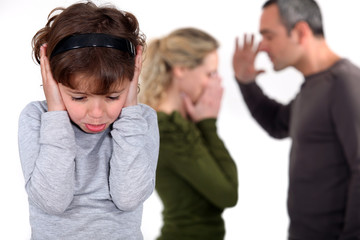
[196, 177]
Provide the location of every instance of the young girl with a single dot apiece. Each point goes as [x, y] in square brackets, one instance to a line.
[89, 152]
[196, 176]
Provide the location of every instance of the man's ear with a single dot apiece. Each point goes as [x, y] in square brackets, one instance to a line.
[302, 31]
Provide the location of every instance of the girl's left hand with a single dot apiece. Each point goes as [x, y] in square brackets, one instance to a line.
[131, 99]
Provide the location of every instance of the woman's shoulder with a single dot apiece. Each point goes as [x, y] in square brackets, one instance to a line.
[175, 128]
[174, 122]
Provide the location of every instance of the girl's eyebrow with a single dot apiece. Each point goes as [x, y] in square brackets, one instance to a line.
[73, 91]
[120, 91]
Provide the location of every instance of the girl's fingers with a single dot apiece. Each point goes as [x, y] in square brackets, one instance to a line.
[51, 87]
[133, 89]
[42, 64]
[138, 62]
[45, 67]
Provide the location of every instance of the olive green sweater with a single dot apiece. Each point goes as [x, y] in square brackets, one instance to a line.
[196, 179]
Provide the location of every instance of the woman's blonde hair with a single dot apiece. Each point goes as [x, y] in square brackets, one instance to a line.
[185, 47]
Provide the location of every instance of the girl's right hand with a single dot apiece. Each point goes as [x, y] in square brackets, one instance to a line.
[51, 87]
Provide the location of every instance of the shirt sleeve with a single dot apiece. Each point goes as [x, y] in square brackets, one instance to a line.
[346, 118]
[47, 153]
[272, 116]
[199, 156]
[134, 159]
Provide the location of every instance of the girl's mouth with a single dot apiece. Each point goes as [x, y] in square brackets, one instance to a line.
[95, 127]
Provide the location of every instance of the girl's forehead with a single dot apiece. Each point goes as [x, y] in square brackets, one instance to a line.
[92, 85]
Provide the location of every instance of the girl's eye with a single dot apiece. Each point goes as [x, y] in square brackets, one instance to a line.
[78, 98]
[113, 97]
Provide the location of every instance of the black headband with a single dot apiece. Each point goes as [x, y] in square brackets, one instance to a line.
[93, 40]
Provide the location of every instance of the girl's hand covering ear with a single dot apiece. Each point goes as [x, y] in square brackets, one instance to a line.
[51, 87]
[131, 99]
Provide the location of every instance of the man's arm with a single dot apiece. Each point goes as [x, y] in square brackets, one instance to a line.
[272, 116]
[346, 115]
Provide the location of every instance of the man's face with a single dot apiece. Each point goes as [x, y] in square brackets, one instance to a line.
[281, 47]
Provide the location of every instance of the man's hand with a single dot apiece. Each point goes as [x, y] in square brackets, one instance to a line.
[244, 60]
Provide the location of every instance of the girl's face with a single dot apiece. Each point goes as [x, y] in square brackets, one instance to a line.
[94, 113]
[194, 81]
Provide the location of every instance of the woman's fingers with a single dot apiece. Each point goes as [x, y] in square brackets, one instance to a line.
[208, 104]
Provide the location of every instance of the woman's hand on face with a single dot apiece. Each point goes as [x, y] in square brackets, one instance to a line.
[208, 104]
[131, 99]
[51, 87]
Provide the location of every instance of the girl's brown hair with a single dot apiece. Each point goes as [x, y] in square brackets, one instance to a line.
[108, 66]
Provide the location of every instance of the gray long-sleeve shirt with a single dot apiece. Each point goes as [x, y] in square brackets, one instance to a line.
[87, 186]
[323, 122]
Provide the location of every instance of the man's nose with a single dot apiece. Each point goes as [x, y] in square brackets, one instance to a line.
[263, 46]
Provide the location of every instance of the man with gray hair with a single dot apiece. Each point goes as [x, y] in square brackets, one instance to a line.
[323, 120]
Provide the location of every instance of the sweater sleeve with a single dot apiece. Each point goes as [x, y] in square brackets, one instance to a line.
[134, 159]
[272, 116]
[202, 160]
[47, 153]
[346, 118]
[220, 154]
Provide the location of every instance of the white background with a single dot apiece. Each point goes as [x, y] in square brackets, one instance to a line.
[262, 161]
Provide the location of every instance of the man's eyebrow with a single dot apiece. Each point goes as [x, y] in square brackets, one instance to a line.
[266, 31]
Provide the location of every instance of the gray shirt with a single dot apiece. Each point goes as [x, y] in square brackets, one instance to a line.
[87, 186]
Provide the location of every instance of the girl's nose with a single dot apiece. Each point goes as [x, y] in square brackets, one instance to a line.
[96, 109]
